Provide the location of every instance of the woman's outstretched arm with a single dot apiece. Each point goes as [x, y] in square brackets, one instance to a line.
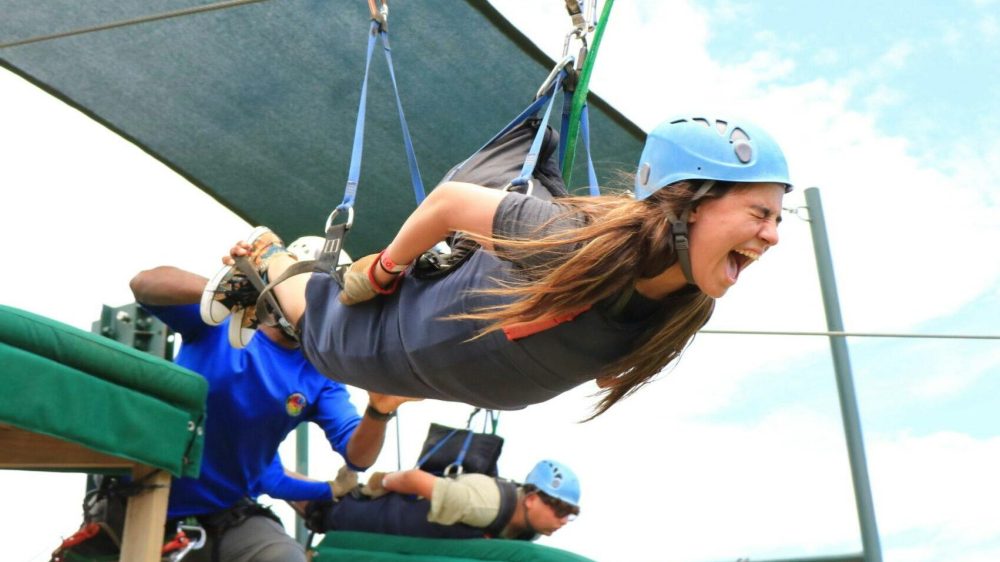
[451, 207]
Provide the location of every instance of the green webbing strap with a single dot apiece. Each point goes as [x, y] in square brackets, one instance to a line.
[580, 96]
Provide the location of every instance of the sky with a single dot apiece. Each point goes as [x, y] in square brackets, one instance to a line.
[738, 450]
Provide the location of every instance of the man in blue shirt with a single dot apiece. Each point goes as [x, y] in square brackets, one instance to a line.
[257, 396]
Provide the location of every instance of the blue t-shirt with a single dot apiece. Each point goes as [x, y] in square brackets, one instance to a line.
[256, 397]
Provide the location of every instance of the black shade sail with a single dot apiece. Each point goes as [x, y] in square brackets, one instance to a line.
[256, 103]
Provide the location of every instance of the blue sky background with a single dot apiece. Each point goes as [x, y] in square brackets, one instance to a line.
[738, 451]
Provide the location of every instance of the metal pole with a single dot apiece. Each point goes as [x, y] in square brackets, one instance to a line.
[302, 467]
[872, 552]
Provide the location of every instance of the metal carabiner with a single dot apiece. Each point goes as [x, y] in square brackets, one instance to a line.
[333, 215]
[529, 187]
[567, 61]
[583, 25]
[457, 467]
[190, 545]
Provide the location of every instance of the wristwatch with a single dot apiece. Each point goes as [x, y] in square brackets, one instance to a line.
[374, 414]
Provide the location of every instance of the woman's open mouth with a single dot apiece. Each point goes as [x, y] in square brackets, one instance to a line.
[738, 261]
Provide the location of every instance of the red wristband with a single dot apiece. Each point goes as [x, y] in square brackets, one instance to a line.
[375, 285]
[390, 266]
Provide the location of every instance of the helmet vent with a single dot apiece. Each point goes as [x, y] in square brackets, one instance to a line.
[721, 126]
[741, 145]
[644, 173]
[703, 121]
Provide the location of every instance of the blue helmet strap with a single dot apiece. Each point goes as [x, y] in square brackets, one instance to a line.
[679, 228]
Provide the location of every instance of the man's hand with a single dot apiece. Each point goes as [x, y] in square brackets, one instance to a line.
[374, 488]
[345, 481]
[388, 403]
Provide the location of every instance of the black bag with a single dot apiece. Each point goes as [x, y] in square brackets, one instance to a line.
[450, 451]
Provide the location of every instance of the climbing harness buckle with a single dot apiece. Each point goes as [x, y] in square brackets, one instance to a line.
[515, 185]
[181, 545]
[553, 74]
[380, 13]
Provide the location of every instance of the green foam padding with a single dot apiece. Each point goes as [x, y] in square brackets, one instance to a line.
[50, 398]
[103, 357]
[372, 547]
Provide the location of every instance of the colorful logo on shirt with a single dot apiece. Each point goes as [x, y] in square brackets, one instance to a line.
[295, 403]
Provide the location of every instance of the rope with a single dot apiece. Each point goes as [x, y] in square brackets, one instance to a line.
[580, 96]
[135, 21]
[857, 334]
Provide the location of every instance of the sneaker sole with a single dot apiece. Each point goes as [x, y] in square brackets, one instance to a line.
[213, 312]
[239, 337]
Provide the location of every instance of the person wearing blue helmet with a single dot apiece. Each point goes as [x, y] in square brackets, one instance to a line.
[561, 291]
[418, 503]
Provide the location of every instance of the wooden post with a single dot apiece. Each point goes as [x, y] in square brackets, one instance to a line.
[145, 517]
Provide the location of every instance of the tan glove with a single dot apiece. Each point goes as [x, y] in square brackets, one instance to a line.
[359, 282]
[345, 481]
[373, 488]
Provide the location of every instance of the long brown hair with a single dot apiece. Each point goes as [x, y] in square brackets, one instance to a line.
[619, 241]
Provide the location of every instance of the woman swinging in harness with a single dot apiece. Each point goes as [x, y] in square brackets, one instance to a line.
[609, 288]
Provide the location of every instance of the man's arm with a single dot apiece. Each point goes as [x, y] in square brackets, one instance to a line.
[167, 286]
[368, 437]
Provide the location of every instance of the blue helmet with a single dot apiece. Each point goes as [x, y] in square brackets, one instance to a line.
[556, 480]
[701, 148]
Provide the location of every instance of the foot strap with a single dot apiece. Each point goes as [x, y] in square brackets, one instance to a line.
[268, 311]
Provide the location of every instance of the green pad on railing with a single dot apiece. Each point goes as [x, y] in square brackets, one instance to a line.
[67, 383]
[371, 547]
[102, 357]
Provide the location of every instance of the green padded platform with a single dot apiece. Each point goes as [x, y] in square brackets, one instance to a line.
[67, 383]
[370, 547]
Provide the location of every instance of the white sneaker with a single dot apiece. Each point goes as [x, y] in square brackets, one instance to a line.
[229, 288]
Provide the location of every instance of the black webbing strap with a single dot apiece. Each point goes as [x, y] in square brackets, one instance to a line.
[268, 310]
[508, 503]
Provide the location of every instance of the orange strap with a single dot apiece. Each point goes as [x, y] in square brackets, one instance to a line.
[180, 541]
[86, 532]
[525, 329]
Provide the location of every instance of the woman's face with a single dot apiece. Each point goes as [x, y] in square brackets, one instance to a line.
[729, 233]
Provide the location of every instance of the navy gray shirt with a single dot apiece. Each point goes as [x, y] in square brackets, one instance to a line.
[406, 343]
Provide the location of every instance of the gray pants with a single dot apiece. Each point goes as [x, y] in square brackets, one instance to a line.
[257, 539]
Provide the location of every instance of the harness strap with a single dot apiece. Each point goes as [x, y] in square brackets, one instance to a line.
[328, 262]
[508, 503]
[220, 522]
[378, 30]
[525, 329]
[679, 229]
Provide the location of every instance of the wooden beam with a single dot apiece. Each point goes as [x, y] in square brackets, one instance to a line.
[24, 450]
[142, 539]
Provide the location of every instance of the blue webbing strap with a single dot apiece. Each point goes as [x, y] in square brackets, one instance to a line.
[536, 145]
[585, 132]
[435, 448]
[354, 172]
[411, 156]
[465, 449]
[526, 114]
[564, 127]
